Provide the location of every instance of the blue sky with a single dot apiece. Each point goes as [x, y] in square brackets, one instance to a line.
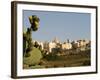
[63, 25]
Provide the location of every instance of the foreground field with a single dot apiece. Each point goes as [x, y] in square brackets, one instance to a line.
[69, 60]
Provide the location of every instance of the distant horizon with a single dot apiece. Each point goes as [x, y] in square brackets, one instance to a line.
[63, 25]
[61, 41]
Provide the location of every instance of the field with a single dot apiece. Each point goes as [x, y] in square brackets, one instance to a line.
[72, 59]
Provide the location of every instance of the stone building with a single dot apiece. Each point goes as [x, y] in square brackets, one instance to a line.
[66, 46]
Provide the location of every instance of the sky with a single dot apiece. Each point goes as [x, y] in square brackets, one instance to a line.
[60, 25]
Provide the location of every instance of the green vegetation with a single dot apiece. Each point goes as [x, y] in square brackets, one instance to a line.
[70, 60]
[34, 58]
[52, 60]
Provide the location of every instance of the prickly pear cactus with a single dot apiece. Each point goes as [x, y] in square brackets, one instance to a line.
[34, 57]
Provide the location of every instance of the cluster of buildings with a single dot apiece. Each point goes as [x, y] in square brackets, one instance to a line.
[56, 44]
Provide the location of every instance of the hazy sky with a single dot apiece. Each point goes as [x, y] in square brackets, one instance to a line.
[63, 25]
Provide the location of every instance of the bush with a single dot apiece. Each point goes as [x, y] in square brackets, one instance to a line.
[87, 62]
